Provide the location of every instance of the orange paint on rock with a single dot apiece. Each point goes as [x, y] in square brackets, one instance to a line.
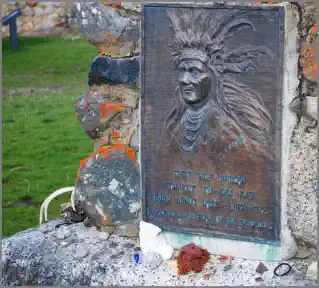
[119, 146]
[115, 134]
[82, 163]
[308, 62]
[104, 113]
[314, 29]
[111, 37]
[131, 153]
[108, 106]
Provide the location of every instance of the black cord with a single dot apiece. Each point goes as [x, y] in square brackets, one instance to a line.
[280, 265]
[62, 224]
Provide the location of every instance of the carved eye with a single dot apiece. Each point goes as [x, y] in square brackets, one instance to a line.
[182, 69]
[194, 71]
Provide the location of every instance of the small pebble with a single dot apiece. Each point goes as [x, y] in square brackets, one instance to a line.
[128, 245]
[50, 226]
[117, 255]
[107, 229]
[113, 245]
[259, 279]
[268, 275]
[152, 260]
[45, 229]
[64, 243]
[261, 268]
[227, 267]
[63, 232]
[104, 235]
[303, 254]
[172, 264]
[81, 251]
[213, 259]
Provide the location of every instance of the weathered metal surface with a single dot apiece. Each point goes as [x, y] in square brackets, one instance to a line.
[211, 119]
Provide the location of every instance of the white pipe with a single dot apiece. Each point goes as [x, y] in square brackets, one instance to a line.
[73, 199]
[47, 201]
[52, 196]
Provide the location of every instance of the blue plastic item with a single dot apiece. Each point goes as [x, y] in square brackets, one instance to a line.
[136, 258]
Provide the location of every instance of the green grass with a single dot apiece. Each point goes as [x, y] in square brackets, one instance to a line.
[41, 134]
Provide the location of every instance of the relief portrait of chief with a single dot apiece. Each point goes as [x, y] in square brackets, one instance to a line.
[212, 108]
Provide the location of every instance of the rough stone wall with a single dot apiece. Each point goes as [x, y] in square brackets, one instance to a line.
[117, 63]
[38, 18]
[109, 110]
[302, 200]
[302, 194]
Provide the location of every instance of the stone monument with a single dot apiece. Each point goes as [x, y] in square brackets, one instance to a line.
[215, 91]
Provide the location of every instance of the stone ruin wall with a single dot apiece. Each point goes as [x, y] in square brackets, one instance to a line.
[38, 18]
[302, 190]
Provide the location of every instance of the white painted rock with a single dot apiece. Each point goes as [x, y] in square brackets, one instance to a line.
[166, 251]
[150, 237]
[312, 271]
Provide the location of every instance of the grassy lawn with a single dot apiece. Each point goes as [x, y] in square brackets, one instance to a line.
[42, 142]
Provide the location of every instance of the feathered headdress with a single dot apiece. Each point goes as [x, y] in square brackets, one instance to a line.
[198, 35]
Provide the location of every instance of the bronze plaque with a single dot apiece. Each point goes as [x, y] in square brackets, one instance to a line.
[211, 119]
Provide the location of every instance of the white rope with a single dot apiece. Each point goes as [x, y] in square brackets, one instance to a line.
[73, 199]
[46, 202]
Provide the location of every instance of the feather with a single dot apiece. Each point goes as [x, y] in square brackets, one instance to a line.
[248, 52]
[238, 67]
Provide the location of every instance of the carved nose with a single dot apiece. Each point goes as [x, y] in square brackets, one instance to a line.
[184, 78]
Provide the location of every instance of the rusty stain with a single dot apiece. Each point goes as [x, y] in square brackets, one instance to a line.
[308, 62]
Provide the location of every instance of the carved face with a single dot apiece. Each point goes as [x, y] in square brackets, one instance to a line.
[195, 80]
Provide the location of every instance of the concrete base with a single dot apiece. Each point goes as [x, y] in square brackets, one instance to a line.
[240, 249]
[287, 248]
[110, 262]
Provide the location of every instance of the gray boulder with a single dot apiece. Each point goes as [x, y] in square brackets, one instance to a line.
[66, 256]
